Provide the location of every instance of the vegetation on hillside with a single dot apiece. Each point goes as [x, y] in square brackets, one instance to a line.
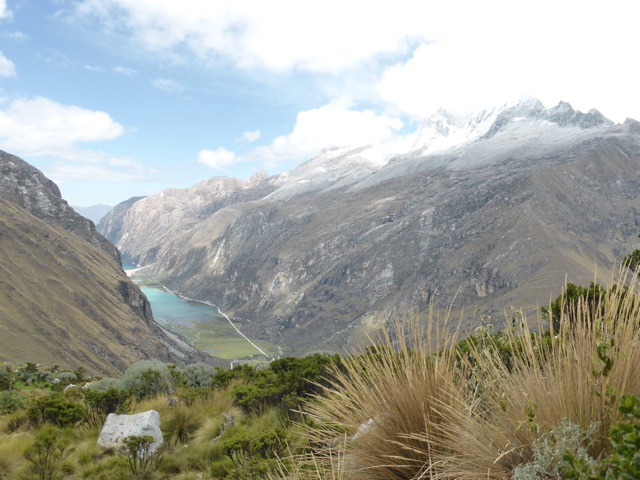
[427, 402]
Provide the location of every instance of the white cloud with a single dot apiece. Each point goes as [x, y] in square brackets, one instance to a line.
[125, 70]
[167, 85]
[18, 37]
[251, 136]
[465, 54]
[100, 172]
[7, 67]
[280, 35]
[218, 158]
[4, 11]
[498, 51]
[94, 69]
[40, 126]
[327, 126]
[315, 129]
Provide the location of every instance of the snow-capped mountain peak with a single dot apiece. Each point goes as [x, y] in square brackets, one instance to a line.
[444, 130]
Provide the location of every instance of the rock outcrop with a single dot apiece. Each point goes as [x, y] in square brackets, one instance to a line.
[117, 428]
[27, 187]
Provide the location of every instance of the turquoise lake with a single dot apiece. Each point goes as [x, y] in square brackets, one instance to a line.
[169, 308]
[201, 324]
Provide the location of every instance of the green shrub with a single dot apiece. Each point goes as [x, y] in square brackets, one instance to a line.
[10, 401]
[5, 379]
[66, 378]
[198, 375]
[137, 451]
[148, 378]
[256, 468]
[624, 459]
[550, 450]
[102, 403]
[632, 260]
[46, 454]
[192, 395]
[105, 384]
[567, 304]
[286, 384]
[54, 410]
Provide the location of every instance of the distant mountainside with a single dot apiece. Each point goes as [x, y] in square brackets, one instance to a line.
[484, 213]
[64, 297]
[94, 212]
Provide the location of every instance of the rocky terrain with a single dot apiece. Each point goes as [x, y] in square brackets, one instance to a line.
[485, 213]
[64, 298]
[27, 187]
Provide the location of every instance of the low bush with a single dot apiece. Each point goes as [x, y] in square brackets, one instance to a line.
[198, 375]
[102, 403]
[148, 378]
[55, 410]
[137, 449]
[624, 460]
[47, 453]
[10, 401]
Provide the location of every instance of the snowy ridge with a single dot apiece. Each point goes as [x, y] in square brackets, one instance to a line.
[523, 127]
[333, 168]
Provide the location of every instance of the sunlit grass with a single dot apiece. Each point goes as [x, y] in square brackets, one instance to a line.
[379, 399]
[403, 412]
[12, 448]
[571, 382]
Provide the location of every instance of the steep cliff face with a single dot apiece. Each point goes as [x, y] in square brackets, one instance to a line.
[64, 297]
[145, 227]
[498, 214]
[113, 222]
[27, 187]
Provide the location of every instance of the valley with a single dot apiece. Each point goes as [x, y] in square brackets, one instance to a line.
[203, 326]
[485, 216]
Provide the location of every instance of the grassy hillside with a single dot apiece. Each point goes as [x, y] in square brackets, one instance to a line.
[61, 300]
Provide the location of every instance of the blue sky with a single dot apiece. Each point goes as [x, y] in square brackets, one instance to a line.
[119, 98]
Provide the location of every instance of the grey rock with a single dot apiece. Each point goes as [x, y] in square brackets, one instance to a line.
[117, 428]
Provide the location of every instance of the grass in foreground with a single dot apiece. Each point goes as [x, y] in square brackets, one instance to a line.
[402, 412]
[416, 405]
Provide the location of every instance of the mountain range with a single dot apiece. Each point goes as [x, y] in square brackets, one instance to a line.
[484, 213]
[93, 212]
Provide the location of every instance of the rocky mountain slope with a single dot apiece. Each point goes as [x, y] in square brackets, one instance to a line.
[64, 297]
[485, 213]
[27, 187]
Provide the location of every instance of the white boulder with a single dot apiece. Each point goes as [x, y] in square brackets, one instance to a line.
[117, 428]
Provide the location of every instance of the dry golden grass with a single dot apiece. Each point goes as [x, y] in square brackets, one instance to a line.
[572, 382]
[329, 465]
[406, 413]
[200, 421]
[12, 449]
[378, 400]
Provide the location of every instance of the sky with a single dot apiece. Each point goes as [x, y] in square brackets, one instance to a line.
[119, 98]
